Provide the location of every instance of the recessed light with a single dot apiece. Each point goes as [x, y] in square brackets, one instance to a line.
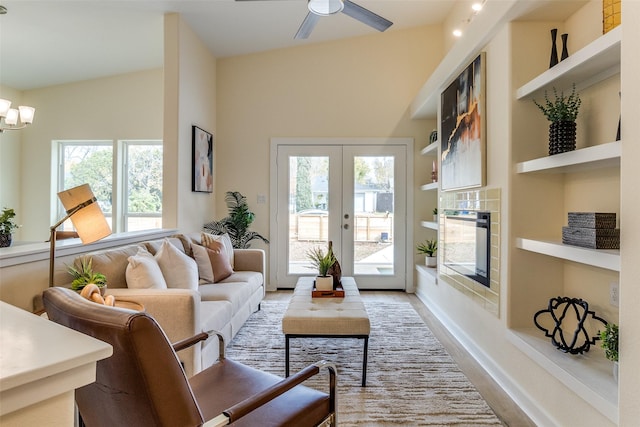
[457, 32]
[477, 7]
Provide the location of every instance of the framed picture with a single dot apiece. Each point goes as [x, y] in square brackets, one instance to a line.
[462, 126]
[202, 174]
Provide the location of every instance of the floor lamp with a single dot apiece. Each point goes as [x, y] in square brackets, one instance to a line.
[85, 214]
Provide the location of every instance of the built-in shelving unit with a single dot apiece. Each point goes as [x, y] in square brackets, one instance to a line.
[429, 187]
[433, 272]
[588, 66]
[603, 258]
[599, 156]
[430, 150]
[589, 375]
[430, 224]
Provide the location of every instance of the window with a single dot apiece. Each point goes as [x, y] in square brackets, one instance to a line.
[125, 176]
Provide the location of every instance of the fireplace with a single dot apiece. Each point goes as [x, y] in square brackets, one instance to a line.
[466, 244]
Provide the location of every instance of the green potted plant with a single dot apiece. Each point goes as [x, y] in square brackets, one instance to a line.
[428, 248]
[236, 225]
[322, 262]
[85, 275]
[435, 214]
[7, 227]
[609, 338]
[562, 113]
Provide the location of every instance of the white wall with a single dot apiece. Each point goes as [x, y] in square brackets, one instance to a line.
[360, 87]
[190, 99]
[10, 148]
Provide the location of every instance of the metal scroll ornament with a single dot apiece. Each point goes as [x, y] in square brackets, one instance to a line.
[574, 311]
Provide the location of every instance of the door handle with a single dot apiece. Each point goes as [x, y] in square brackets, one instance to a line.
[346, 226]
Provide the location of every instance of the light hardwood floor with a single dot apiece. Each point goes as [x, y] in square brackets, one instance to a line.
[508, 412]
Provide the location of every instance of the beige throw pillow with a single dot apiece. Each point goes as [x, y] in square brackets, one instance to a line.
[179, 270]
[205, 271]
[143, 272]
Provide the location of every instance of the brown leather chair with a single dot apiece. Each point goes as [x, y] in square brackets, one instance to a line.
[143, 384]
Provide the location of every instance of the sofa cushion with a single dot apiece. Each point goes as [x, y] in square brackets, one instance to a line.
[253, 278]
[179, 270]
[153, 246]
[112, 263]
[205, 271]
[237, 293]
[208, 241]
[215, 316]
[143, 272]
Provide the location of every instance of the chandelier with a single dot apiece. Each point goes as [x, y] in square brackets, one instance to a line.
[9, 117]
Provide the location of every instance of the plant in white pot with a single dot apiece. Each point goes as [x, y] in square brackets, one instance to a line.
[429, 248]
[609, 339]
[85, 275]
[322, 262]
[7, 227]
[435, 214]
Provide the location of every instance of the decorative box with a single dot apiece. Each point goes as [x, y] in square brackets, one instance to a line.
[594, 238]
[592, 220]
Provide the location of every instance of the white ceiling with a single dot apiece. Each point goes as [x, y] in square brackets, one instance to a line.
[49, 42]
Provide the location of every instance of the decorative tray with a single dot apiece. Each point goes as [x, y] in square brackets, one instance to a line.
[334, 293]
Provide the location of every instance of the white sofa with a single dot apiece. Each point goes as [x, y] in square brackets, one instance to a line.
[182, 313]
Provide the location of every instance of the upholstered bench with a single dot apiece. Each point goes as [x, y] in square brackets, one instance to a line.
[308, 317]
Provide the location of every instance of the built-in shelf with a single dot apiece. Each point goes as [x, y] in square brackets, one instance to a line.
[589, 375]
[599, 156]
[429, 187]
[433, 272]
[593, 63]
[603, 258]
[430, 150]
[429, 224]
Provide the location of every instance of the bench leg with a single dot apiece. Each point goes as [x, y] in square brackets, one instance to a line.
[364, 361]
[286, 355]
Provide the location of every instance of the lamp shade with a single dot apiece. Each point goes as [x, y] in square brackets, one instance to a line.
[5, 104]
[85, 213]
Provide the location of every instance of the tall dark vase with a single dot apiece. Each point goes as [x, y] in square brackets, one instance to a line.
[5, 240]
[562, 137]
[554, 50]
[565, 51]
[335, 271]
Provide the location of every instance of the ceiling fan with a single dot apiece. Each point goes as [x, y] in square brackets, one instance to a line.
[319, 8]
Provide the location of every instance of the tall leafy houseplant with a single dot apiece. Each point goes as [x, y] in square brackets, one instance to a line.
[562, 113]
[236, 225]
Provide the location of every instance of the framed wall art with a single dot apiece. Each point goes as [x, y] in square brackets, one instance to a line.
[463, 129]
[202, 173]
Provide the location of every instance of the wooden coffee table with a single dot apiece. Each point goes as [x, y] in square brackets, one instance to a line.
[308, 317]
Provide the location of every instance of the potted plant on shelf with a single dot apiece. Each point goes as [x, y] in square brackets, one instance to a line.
[322, 262]
[85, 275]
[609, 339]
[7, 227]
[429, 248]
[435, 214]
[562, 113]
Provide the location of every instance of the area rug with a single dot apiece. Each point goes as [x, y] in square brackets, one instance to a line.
[411, 379]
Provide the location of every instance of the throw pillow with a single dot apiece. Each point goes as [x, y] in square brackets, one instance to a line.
[143, 272]
[179, 270]
[205, 271]
[208, 239]
[219, 262]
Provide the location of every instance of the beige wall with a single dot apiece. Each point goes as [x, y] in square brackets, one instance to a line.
[190, 99]
[10, 146]
[360, 87]
[127, 106]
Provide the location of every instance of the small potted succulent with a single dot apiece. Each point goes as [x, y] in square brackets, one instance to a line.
[562, 113]
[85, 275]
[7, 227]
[428, 248]
[322, 262]
[609, 338]
[435, 214]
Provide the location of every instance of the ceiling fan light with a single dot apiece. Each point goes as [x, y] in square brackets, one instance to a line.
[325, 7]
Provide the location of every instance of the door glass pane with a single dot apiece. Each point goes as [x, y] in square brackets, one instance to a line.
[308, 210]
[373, 199]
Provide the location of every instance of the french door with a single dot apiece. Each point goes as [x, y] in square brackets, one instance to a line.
[352, 194]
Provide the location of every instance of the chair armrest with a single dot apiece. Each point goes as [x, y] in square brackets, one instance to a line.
[249, 260]
[241, 409]
[202, 336]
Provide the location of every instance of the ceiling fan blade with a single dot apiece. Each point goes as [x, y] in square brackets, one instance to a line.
[365, 16]
[307, 26]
